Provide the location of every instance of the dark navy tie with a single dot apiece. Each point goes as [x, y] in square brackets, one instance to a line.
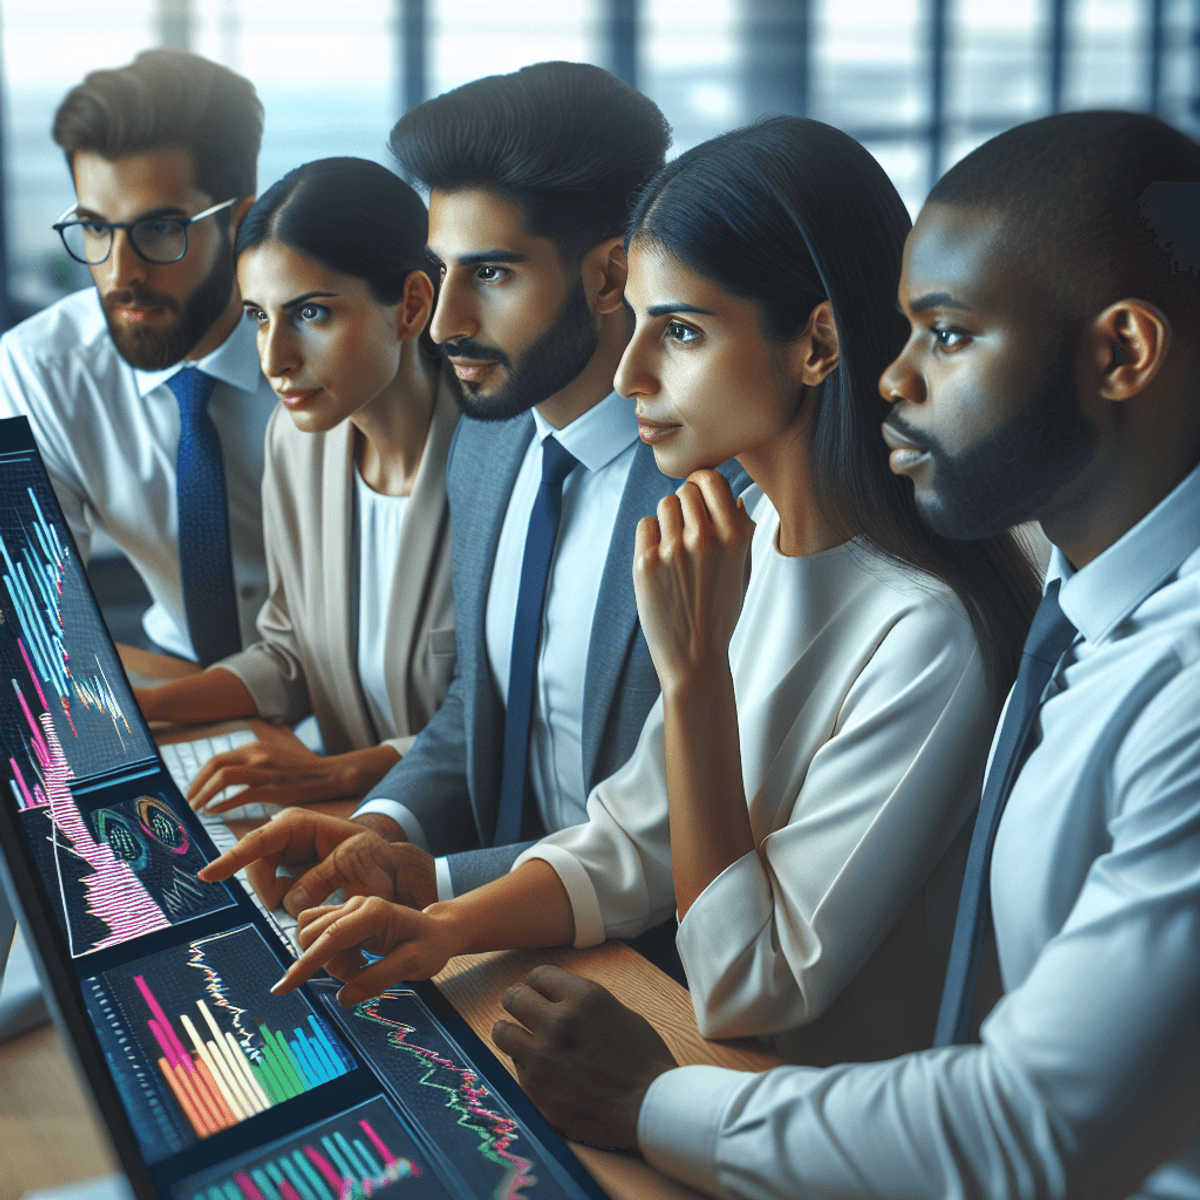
[1049, 635]
[539, 546]
[205, 564]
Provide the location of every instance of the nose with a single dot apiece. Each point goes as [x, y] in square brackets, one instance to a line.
[901, 380]
[123, 268]
[455, 315]
[634, 376]
[277, 351]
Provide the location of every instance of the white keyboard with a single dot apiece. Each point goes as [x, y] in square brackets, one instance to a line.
[184, 760]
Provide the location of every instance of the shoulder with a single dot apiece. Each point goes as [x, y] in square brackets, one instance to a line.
[71, 327]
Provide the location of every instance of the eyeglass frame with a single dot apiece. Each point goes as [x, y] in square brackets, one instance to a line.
[62, 225]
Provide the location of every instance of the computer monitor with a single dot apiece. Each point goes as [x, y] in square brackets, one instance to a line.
[211, 1087]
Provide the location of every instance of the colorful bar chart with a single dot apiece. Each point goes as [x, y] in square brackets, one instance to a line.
[219, 1046]
[363, 1152]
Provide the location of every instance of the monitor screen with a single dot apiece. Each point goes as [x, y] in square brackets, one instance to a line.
[211, 1087]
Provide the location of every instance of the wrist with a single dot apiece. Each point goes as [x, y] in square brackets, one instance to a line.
[454, 925]
[378, 823]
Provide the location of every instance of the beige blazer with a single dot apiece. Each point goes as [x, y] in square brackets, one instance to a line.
[307, 661]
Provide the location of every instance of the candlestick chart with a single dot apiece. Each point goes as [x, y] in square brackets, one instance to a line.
[364, 1152]
[199, 1044]
[437, 1085]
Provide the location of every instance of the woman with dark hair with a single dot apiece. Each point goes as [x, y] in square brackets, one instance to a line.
[358, 627]
[831, 670]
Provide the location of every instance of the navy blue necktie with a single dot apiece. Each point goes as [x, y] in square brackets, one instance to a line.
[1049, 635]
[205, 565]
[539, 546]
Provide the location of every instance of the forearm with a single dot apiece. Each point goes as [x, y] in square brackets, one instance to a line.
[214, 695]
[710, 828]
[527, 908]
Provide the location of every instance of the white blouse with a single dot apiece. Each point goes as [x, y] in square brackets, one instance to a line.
[864, 720]
[380, 521]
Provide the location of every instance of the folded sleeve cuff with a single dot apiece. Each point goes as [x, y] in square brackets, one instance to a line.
[680, 1121]
[445, 885]
[406, 819]
[276, 691]
[585, 906]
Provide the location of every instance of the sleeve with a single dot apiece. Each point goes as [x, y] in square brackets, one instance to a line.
[773, 940]
[473, 868]
[273, 669]
[24, 392]
[1087, 1080]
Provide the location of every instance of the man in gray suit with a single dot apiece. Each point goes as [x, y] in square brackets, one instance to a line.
[531, 178]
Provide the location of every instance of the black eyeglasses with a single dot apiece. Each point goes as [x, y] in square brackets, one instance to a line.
[158, 240]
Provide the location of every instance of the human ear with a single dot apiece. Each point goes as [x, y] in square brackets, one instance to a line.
[1131, 340]
[416, 305]
[605, 269]
[238, 215]
[815, 353]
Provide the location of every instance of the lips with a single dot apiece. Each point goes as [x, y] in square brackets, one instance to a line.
[654, 431]
[906, 453]
[293, 399]
[470, 371]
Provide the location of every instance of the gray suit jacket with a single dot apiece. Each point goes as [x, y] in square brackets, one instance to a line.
[450, 779]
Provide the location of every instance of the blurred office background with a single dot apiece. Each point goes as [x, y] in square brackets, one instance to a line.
[920, 82]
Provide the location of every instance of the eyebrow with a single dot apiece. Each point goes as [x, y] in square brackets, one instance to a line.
[290, 304]
[937, 300]
[481, 256]
[166, 210]
[661, 310]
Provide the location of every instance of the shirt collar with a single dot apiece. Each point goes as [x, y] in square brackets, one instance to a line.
[1099, 596]
[597, 436]
[234, 361]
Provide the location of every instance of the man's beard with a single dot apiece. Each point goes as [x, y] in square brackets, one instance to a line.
[1012, 473]
[556, 357]
[157, 349]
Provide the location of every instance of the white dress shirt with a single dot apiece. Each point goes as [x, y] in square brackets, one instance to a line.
[603, 439]
[109, 434]
[864, 720]
[380, 521]
[1087, 1081]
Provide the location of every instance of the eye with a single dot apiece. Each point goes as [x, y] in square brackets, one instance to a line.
[950, 339]
[490, 274]
[256, 315]
[681, 334]
[312, 312]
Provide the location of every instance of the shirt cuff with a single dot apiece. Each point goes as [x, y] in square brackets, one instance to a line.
[402, 816]
[445, 885]
[585, 906]
[680, 1122]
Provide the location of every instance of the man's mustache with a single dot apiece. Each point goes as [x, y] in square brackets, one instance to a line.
[139, 298]
[920, 440]
[465, 348]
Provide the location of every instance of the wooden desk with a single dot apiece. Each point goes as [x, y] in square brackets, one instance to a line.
[50, 1134]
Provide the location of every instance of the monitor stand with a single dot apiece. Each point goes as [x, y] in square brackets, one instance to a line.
[22, 1005]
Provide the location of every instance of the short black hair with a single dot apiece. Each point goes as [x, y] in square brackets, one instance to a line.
[169, 98]
[568, 143]
[1101, 205]
[351, 215]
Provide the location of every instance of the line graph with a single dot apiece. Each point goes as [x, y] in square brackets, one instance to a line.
[214, 1046]
[440, 1089]
[364, 1152]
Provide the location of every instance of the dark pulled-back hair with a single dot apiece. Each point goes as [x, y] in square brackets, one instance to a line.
[568, 143]
[790, 212]
[351, 215]
[1099, 206]
[169, 98]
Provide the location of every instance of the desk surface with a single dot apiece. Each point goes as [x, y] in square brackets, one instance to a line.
[50, 1135]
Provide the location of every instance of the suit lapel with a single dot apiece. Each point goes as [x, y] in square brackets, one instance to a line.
[616, 607]
[422, 530]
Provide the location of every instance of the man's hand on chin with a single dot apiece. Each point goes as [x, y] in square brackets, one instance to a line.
[583, 1058]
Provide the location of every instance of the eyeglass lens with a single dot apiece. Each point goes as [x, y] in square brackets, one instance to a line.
[159, 240]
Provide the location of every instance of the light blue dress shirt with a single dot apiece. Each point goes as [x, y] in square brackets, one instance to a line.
[1087, 1081]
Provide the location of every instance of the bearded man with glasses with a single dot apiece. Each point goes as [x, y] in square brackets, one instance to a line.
[145, 394]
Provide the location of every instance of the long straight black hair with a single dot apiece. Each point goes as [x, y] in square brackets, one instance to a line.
[790, 212]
